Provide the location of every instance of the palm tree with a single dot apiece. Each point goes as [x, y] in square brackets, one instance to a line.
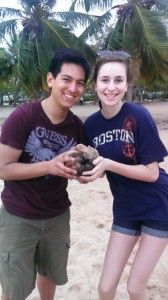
[41, 35]
[140, 29]
[93, 23]
[6, 65]
[9, 77]
[5, 71]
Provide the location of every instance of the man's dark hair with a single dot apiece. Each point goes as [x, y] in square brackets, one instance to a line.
[68, 55]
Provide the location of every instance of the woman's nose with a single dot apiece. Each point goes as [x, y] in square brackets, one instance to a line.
[111, 86]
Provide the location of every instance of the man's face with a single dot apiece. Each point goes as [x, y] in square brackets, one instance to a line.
[68, 86]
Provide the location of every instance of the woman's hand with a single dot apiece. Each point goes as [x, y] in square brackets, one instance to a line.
[98, 171]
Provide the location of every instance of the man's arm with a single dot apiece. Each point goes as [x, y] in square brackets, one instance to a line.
[11, 169]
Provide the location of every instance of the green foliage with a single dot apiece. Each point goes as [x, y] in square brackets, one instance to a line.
[41, 35]
[140, 29]
[89, 96]
[5, 64]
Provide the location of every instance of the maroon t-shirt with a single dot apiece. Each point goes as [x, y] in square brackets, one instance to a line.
[29, 129]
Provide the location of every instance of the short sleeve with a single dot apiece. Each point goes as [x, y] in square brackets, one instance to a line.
[91, 125]
[150, 147]
[14, 129]
[88, 140]
[81, 138]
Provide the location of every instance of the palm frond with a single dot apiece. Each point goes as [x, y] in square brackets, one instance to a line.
[48, 4]
[55, 37]
[74, 19]
[96, 26]
[152, 30]
[56, 32]
[140, 30]
[28, 66]
[34, 55]
[115, 39]
[89, 4]
[5, 64]
[7, 27]
[72, 7]
[143, 34]
[34, 3]
[161, 5]
[9, 12]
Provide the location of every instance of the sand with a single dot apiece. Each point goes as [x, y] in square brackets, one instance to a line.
[91, 220]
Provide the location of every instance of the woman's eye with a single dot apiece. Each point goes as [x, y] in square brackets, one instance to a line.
[104, 80]
[118, 80]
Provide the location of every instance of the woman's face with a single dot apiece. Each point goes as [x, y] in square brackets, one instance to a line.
[111, 83]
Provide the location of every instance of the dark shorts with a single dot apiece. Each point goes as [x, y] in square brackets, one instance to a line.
[154, 228]
[30, 246]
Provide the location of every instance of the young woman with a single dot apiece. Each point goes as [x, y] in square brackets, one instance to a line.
[130, 149]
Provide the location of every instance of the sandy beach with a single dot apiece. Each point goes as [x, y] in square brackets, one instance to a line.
[91, 218]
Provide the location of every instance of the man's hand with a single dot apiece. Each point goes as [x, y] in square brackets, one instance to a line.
[12, 169]
[59, 166]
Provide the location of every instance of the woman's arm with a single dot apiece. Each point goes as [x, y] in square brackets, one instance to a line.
[148, 173]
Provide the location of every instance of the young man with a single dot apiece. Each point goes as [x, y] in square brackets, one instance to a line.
[34, 218]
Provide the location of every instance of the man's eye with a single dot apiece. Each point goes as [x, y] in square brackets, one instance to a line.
[81, 83]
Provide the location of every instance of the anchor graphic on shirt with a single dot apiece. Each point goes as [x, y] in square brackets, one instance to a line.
[129, 150]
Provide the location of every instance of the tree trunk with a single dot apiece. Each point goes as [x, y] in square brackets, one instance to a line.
[1, 99]
[130, 93]
[15, 97]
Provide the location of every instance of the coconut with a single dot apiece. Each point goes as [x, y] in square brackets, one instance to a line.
[84, 157]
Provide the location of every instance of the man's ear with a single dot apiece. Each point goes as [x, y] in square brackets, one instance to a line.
[50, 79]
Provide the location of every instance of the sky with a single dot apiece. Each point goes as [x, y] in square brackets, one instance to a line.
[15, 4]
[62, 5]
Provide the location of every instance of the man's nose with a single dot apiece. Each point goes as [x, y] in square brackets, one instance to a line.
[72, 87]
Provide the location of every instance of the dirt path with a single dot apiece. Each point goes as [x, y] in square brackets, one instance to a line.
[159, 110]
